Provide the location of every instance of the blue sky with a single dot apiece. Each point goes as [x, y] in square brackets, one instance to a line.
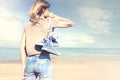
[97, 22]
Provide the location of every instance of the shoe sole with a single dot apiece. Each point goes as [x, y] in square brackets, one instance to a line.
[52, 52]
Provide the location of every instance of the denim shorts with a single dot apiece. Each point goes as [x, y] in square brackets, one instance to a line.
[38, 66]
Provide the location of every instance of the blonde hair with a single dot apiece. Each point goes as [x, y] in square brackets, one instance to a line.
[38, 9]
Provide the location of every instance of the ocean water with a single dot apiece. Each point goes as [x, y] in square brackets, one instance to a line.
[12, 54]
[9, 54]
[90, 52]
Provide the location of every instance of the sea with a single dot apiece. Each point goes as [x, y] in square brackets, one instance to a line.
[13, 54]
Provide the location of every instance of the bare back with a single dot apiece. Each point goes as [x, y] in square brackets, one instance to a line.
[35, 33]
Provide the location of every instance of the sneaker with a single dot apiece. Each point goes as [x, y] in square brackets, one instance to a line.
[54, 41]
[40, 44]
[49, 48]
[51, 51]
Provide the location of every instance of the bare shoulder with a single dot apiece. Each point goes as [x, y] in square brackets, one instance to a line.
[26, 26]
[28, 23]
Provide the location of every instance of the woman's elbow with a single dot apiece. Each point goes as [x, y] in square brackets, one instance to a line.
[71, 24]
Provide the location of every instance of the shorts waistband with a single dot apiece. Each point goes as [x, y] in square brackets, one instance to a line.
[33, 55]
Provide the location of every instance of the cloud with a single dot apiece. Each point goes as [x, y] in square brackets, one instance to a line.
[97, 19]
[75, 40]
[9, 28]
[81, 40]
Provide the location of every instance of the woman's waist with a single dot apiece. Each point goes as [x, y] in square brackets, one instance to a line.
[38, 56]
[41, 54]
[31, 51]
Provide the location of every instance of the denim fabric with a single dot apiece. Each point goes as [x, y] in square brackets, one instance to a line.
[38, 66]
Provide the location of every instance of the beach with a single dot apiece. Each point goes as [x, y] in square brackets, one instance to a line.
[70, 68]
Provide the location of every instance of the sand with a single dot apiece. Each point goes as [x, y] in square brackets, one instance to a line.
[70, 68]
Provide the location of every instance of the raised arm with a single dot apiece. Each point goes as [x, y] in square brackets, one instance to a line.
[22, 51]
[61, 22]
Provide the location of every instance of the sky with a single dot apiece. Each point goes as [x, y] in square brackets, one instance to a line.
[96, 22]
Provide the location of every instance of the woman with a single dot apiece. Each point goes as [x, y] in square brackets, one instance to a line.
[37, 63]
